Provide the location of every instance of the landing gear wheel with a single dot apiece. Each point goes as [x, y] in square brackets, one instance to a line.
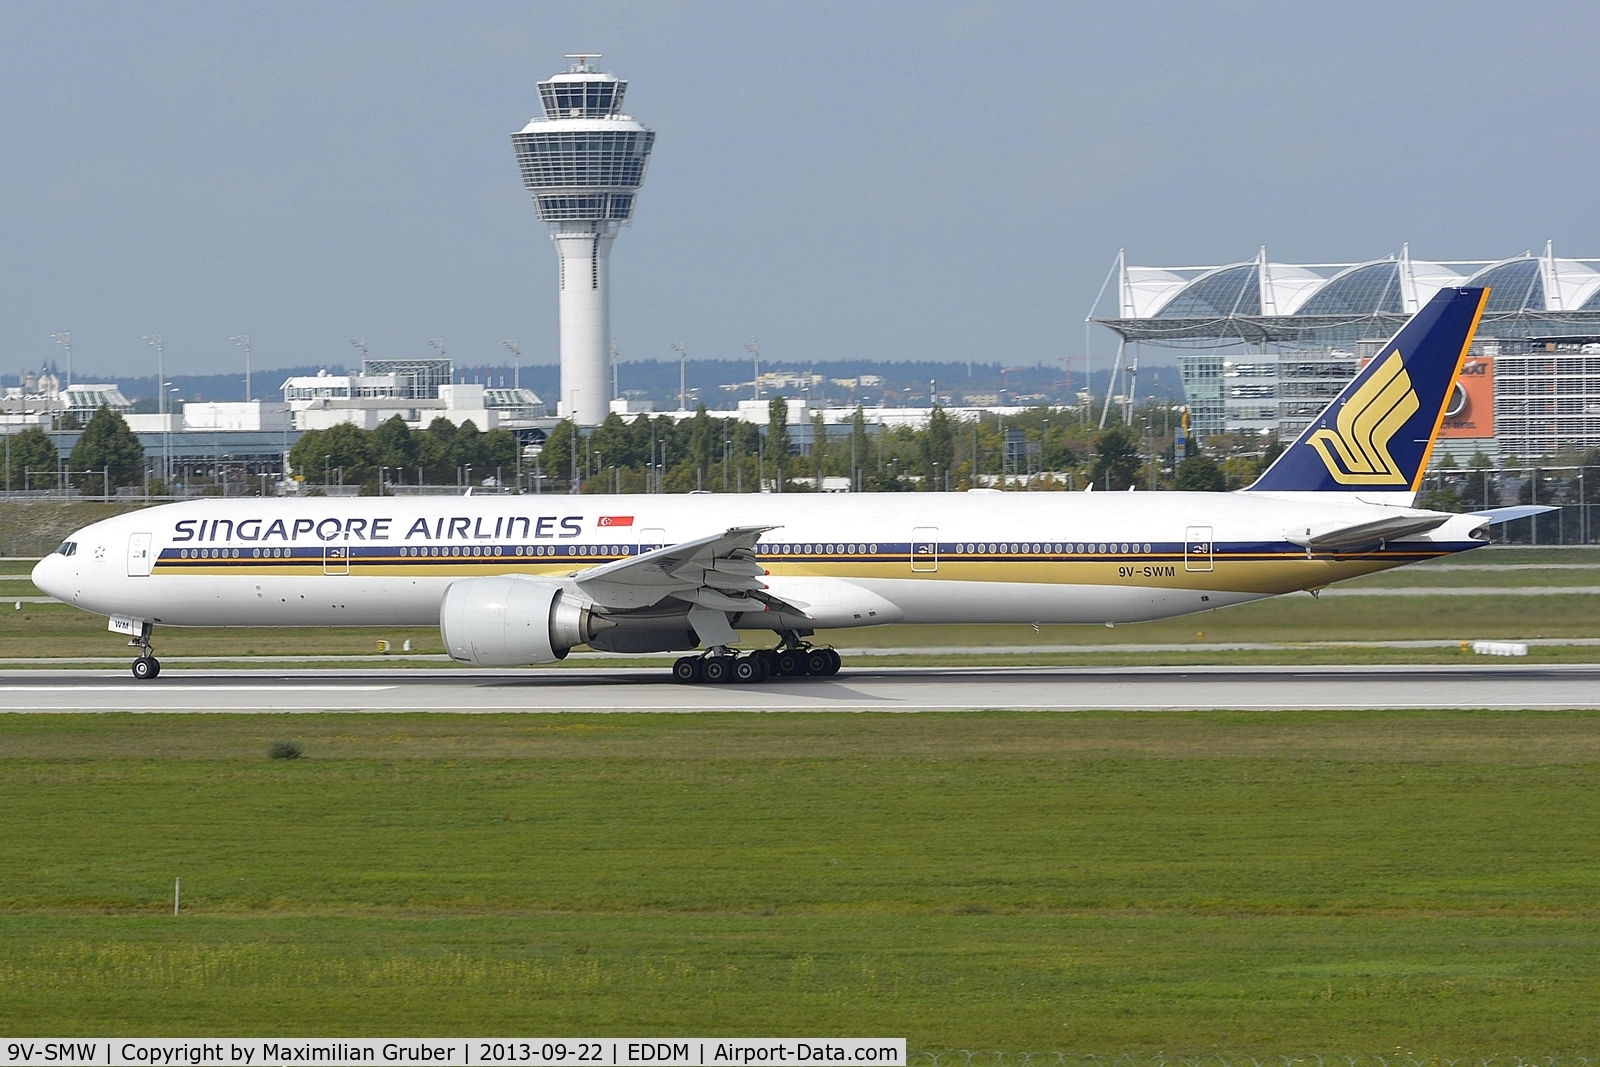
[687, 669]
[146, 667]
[819, 661]
[792, 662]
[717, 669]
[750, 667]
[834, 662]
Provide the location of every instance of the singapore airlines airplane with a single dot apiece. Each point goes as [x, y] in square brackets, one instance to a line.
[524, 579]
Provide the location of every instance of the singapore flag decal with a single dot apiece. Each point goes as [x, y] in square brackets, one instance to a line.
[615, 520]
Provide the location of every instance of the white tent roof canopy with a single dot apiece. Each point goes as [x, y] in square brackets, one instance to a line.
[1275, 289]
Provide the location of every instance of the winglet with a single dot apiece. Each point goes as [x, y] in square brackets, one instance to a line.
[1378, 433]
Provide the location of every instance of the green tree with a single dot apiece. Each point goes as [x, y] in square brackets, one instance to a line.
[500, 452]
[467, 451]
[322, 455]
[703, 441]
[393, 444]
[614, 440]
[33, 458]
[107, 443]
[1116, 458]
[436, 449]
[858, 447]
[1199, 474]
[778, 426]
[555, 458]
[938, 448]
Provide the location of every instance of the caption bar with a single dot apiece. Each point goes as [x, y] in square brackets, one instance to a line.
[452, 1051]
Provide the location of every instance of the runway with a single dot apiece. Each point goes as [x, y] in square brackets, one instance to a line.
[903, 689]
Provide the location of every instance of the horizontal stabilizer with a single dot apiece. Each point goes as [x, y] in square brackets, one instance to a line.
[1521, 511]
[1367, 534]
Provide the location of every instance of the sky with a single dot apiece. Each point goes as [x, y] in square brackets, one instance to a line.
[883, 180]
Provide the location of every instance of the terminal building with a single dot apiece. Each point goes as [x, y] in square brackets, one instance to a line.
[1263, 346]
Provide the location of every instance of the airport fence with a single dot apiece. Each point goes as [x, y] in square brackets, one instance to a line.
[1573, 490]
[991, 1058]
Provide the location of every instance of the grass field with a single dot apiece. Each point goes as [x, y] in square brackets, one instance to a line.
[1106, 883]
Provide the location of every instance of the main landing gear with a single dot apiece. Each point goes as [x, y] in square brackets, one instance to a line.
[719, 665]
[146, 666]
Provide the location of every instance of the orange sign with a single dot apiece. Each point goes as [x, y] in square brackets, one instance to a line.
[1470, 410]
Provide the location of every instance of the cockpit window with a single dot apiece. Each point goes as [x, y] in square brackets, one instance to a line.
[68, 548]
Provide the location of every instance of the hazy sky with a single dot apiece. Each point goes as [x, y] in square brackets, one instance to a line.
[869, 179]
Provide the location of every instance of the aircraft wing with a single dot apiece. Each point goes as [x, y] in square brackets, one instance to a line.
[719, 572]
[1334, 538]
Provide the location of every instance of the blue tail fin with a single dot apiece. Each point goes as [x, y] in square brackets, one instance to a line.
[1377, 435]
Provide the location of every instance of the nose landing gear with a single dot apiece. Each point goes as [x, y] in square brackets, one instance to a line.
[146, 666]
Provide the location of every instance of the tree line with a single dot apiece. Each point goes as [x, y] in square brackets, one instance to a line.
[441, 454]
[106, 457]
[1042, 448]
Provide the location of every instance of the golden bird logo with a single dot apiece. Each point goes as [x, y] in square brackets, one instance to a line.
[1358, 452]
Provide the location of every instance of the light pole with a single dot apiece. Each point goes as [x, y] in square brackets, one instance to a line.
[516, 362]
[751, 347]
[64, 339]
[243, 341]
[683, 357]
[161, 401]
[327, 462]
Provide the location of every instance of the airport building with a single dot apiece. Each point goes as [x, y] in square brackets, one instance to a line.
[583, 161]
[1263, 346]
[417, 390]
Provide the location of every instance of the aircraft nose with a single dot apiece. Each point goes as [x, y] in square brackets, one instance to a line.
[48, 575]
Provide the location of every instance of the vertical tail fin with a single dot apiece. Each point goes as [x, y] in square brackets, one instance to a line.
[1377, 435]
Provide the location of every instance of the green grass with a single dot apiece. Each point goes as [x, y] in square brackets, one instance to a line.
[36, 528]
[1261, 882]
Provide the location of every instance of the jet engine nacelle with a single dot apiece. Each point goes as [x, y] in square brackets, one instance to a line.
[511, 621]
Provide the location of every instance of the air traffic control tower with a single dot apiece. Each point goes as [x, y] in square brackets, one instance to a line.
[584, 162]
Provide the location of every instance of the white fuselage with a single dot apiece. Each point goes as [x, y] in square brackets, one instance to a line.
[851, 559]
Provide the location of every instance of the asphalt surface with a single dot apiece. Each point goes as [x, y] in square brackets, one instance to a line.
[1500, 685]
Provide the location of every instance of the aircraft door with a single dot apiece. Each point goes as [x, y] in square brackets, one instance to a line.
[139, 555]
[651, 538]
[1197, 549]
[335, 557]
[925, 549]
